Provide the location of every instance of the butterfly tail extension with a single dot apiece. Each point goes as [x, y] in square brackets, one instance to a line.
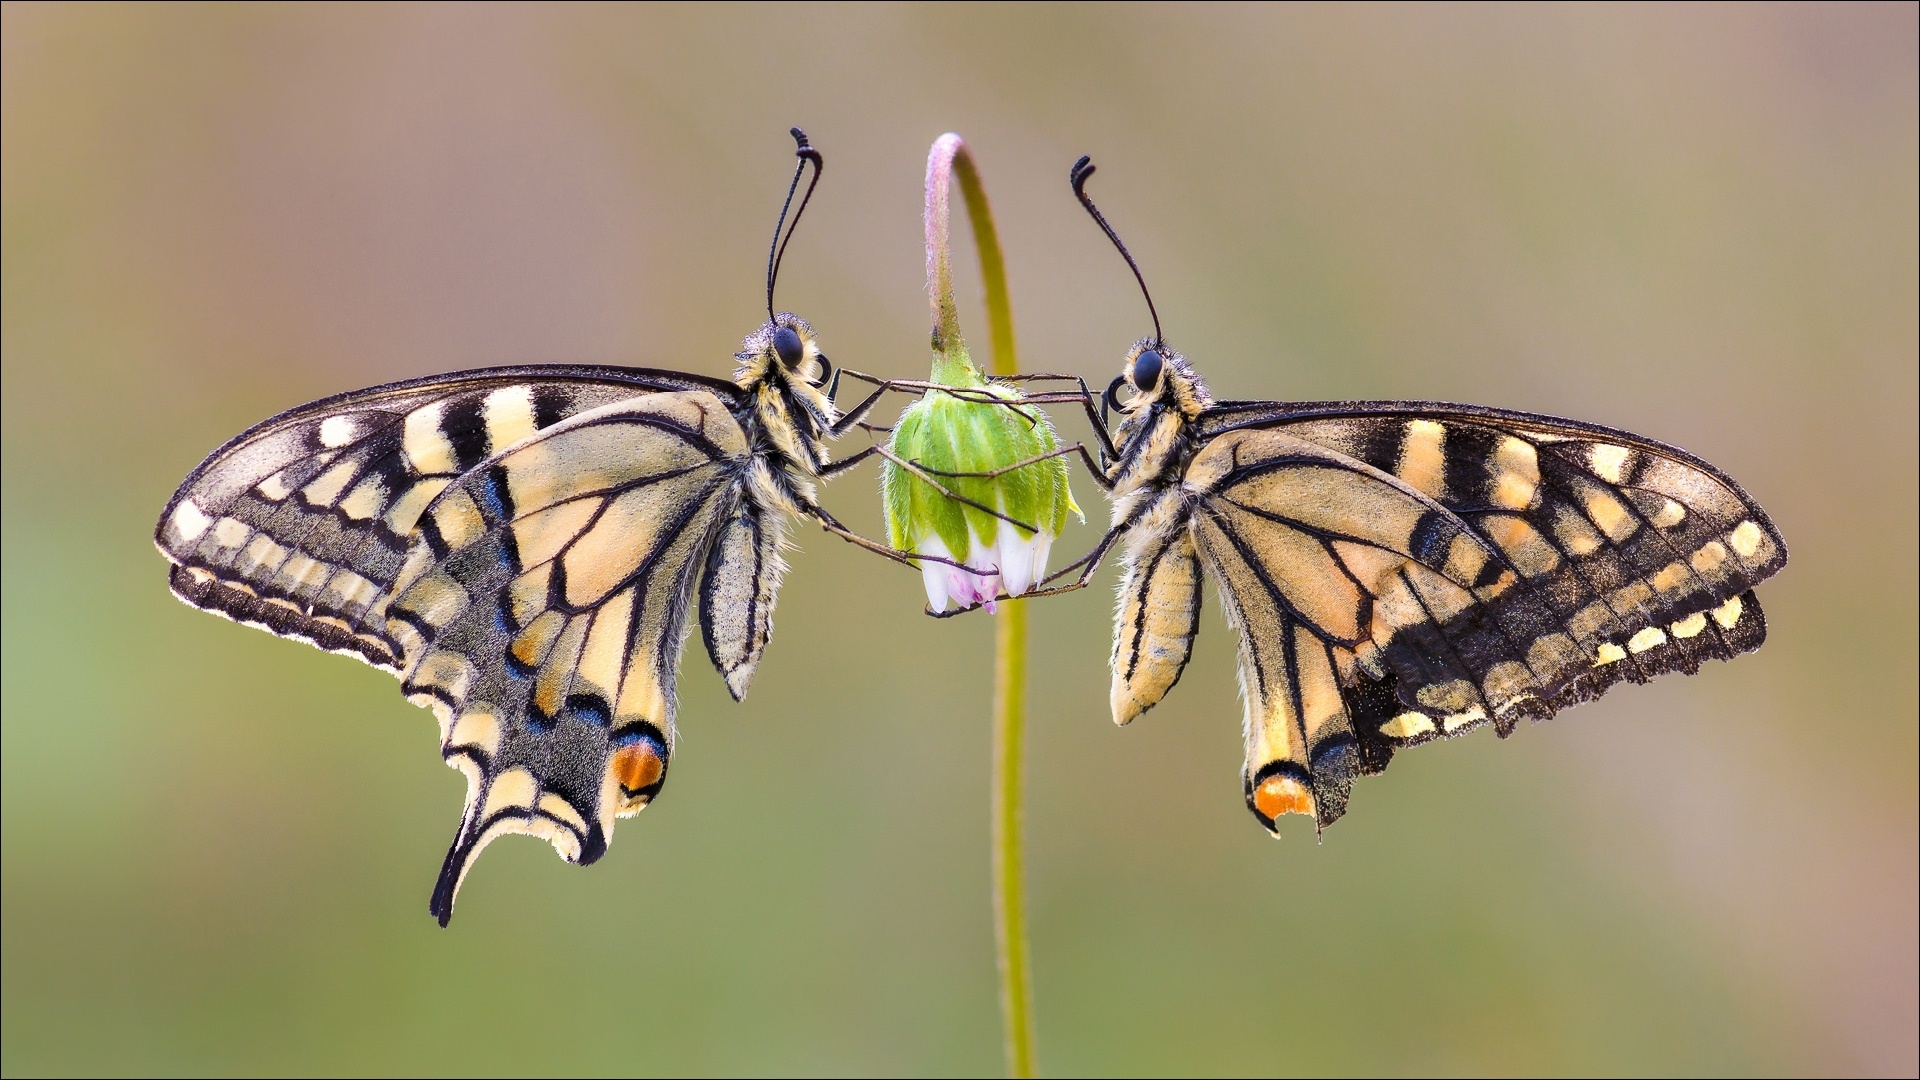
[1158, 611]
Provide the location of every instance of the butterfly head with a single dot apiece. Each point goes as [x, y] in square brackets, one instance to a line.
[785, 353]
[1157, 375]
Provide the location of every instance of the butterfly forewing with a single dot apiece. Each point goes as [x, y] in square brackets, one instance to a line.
[1404, 571]
[301, 524]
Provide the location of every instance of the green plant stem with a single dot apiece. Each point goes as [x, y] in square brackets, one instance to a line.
[951, 158]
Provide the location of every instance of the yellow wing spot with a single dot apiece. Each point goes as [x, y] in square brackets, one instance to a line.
[405, 512]
[1552, 653]
[274, 487]
[444, 670]
[1631, 595]
[352, 589]
[305, 572]
[1651, 638]
[327, 487]
[367, 499]
[1453, 697]
[1708, 558]
[1524, 546]
[337, 431]
[1588, 620]
[1465, 559]
[508, 412]
[437, 598]
[1463, 719]
[1279, 795]
[511, 790]
[426, 445]
[531, 645]
[562, 809]
[478, 727]
[1611, 515]
[1690, 626]
[230, 532]
[1746, 538]
[405, 636]
[1574, 533]
[1506, 681]
[264, 553]
[1670, 514]
[1728, 613]
[1609, 462]
[458, 520]
[1609, 654]
[189, 521]
[1406, 726]
[1670, 577]
[1423, 458]
[1519, 474]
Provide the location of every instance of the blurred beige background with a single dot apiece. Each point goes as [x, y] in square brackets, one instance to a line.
[1697, 223]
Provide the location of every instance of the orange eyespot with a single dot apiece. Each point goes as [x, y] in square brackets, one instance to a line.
[1278, 795]
[637, 766]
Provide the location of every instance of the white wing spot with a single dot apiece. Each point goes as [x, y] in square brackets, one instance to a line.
[337, 431]
[1745, 539]
[190, 521]
[1609, 653]
[1690, 626]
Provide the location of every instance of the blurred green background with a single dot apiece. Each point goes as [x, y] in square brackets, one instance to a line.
[1696, 223]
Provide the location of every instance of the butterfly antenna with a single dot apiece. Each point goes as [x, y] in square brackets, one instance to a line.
[1081, 170]
[806, 153]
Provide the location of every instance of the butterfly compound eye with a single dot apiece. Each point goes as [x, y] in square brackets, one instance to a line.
[787, 344]
[1146, 371]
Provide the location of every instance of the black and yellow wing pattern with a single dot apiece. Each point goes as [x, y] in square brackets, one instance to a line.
[520, 546]
[1405, 571]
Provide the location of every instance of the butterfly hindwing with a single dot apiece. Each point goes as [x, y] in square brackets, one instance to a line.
[1453, 567]
[744, 568]
[541, 619]
[1158, 614]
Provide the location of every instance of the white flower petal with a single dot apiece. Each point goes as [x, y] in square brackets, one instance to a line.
[1042, 547]
[1016, 559]
[937, 577]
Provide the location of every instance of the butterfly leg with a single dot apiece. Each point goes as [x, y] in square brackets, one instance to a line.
[1082, 397]
[832, 524]
[854, 416]
[1072, 448]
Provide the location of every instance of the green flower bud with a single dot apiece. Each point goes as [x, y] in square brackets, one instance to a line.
[942, 434]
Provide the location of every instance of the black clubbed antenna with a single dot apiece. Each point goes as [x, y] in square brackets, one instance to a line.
[778, 251]
[1081, 170]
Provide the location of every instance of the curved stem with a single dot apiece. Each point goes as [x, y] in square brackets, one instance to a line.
[950, 158]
